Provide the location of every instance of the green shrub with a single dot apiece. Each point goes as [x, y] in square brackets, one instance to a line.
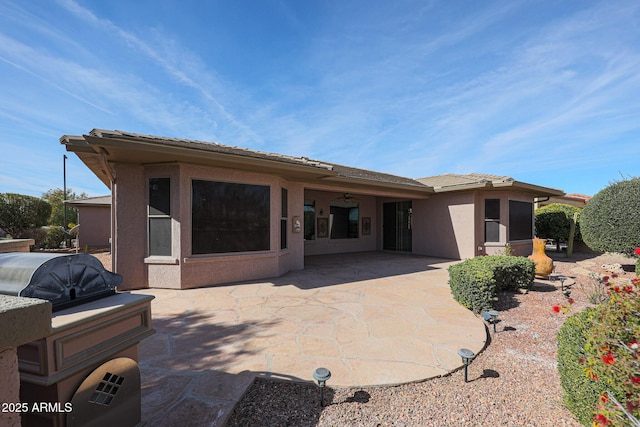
[554, 222]
[610, 221]
[613, 351]
[580, 393]
[54, 236]
[638, 267]
[598, 351]
[475, 282]
[19, 213]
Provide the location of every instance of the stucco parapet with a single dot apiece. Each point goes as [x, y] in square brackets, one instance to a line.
[16, 245]
[23, 320]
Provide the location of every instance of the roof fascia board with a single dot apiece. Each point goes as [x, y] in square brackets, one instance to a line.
[126, 144]
[539, 190]
[367, 183]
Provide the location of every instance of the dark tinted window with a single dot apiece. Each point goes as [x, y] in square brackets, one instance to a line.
[160, 196]
[229, 217]
[159, 216]
[492, 220]
[520, 220]
[344, 222]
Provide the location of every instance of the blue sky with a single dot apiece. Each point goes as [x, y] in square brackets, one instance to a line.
[547, 92]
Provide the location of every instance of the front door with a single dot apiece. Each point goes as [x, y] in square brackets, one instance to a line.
[396, 224]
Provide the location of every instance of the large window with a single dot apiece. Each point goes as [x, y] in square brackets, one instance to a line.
[309, 220]
[343, 220]
[283, 218]
[520, 220]
[159, 217]
[229, 217]
[492, 220]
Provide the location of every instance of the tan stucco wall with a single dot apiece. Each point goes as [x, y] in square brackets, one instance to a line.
[129, 225]
[10, 390]
[182, 269]
[16, 245]
[443, 226]
[519, 248]
[23, 320]
[95, 226]
[326, 245]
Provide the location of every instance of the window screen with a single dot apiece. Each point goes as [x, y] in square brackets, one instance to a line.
[229, 217]
[520, 220]
[492, 220]
[159, 217]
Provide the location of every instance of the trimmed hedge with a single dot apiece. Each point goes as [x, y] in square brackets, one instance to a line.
[554, 222]
[580, 392]
[475, 282]
[610, 221]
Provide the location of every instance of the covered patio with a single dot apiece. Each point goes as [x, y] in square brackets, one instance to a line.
[371, 318]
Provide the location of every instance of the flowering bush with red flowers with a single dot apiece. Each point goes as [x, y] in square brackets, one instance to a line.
[613, 355]
[637, 252]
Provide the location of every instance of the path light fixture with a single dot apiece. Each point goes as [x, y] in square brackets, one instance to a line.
[491, 316]
[467, 356]
[321, 375]
[562, 279]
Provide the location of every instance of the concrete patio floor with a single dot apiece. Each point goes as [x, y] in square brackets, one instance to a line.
[370, 318]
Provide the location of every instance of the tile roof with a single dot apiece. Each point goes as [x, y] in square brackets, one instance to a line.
[207, 146]
[187, 148]
[91, 201]
[453, 180]
[341, 170]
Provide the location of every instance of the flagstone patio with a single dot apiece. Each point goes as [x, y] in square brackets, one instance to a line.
[370, 318]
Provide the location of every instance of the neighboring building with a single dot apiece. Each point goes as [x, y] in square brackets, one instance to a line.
[189, 214]
[94, 219]
[577, 200]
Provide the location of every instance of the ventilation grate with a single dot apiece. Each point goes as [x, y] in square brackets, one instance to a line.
[107, 389]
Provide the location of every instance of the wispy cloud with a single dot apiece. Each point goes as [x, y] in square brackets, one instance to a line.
[178, 62]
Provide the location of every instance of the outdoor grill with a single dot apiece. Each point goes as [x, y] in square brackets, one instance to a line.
[63, 280]
[86, 372]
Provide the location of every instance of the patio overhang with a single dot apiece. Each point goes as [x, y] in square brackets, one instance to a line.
[99, 149]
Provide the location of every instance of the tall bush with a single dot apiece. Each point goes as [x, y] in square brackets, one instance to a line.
[56, 199]
[554, 222]
[610, 221]
[19, 213]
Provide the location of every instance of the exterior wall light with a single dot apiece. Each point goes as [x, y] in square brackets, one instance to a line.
[491, 316]
[467, 356]
[321, 375]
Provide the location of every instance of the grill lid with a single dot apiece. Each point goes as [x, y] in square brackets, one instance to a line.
[63, 279]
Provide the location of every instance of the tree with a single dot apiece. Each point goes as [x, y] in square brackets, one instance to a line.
[610, 221]
[19, 213]
[56, 199]
[554, 222]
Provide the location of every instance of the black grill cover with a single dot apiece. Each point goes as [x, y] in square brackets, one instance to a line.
[63, 279]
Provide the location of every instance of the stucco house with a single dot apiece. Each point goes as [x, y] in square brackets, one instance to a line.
[94, 218]
[187, 214]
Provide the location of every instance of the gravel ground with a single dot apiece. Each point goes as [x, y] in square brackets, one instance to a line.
[514, 382]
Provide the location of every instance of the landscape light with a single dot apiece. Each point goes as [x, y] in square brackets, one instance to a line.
[467, 356]
[321, 375]
[491, 316]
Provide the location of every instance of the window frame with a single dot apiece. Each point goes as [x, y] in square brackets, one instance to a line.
[352, 228]
[156, 212]
[492, 221]
[309, 221]
[252, 240]
[517, 233]
[284, 212]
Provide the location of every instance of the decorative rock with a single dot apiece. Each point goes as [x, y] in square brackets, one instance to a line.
[613, 268]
